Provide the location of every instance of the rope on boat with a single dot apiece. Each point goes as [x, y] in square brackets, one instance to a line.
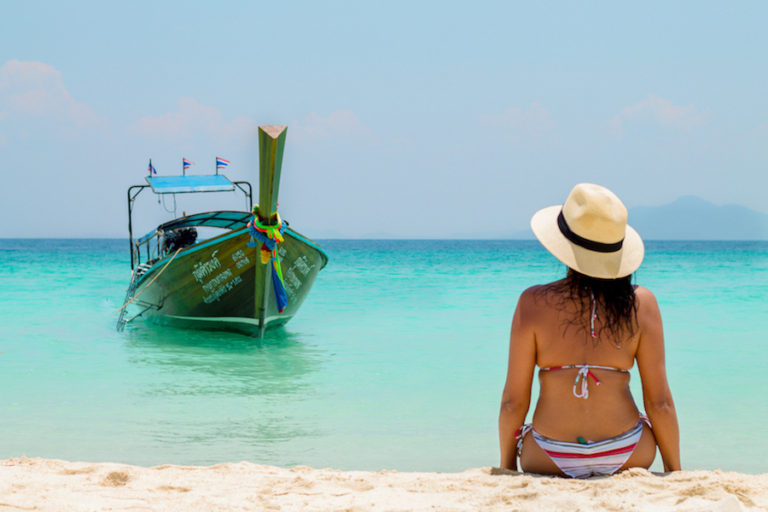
[270, 236]
[152, 281]
[134, 317]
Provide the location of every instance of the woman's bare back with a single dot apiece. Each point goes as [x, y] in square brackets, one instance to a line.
[562, 338]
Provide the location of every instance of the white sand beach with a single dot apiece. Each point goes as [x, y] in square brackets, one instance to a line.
[44, 484]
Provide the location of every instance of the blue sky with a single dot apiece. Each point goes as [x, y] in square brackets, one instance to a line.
[427, 119]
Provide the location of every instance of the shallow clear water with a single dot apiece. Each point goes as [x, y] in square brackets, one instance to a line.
[396, 360]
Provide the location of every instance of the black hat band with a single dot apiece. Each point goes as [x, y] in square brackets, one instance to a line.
[585, 242]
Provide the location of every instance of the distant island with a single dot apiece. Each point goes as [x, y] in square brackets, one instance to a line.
[692, 218]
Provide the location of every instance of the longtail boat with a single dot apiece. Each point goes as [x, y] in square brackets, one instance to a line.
[251, 277]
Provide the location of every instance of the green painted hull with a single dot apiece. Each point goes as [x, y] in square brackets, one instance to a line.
[219, 283]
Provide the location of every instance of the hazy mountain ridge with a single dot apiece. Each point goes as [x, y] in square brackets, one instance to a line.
[693, 218]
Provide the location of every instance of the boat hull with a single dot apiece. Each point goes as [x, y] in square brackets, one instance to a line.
[217, 284]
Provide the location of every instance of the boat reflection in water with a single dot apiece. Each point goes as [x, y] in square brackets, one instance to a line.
[203, 397]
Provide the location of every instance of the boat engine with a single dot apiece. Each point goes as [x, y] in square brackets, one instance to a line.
[179, 238]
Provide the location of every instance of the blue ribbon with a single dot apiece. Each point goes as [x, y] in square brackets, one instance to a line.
[281, 296]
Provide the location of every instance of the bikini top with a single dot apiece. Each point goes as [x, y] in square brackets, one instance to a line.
[583, 373]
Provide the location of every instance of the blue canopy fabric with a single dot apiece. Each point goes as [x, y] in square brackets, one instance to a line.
[184, 184]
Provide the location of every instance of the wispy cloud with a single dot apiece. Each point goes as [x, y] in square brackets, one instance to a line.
[532, 122]
[761, 130]
[192, 120]
[35, 91]
[338, 124]
[660, 111]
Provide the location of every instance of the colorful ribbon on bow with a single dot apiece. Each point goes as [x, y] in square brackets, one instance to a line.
[270, 236]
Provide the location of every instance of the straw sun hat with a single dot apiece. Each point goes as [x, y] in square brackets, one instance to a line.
[589, 233]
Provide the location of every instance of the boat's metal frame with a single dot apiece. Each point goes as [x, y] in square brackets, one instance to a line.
[140, 188]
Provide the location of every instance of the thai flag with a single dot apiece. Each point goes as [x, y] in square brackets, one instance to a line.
[151, 169]
[221, 163]
[186, 163]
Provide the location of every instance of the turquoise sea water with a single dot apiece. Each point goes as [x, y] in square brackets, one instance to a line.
[396, 360]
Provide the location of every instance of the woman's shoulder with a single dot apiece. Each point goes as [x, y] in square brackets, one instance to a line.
[538, 291]
[644, 296]
[540, 294]
[647, 306]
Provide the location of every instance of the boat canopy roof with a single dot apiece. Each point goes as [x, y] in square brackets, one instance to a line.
[192, 183]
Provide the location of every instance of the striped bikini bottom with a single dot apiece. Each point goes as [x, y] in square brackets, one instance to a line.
[597, 458]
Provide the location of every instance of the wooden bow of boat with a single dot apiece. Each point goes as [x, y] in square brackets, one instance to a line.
[271, 146]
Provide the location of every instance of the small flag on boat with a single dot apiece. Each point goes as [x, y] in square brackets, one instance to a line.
[186, 163]
[221, 163]
[151, 169]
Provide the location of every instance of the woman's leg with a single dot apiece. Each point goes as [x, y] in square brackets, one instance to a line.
[645, 451]
[535, 460]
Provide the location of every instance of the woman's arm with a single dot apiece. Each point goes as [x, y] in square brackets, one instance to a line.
[516, 397]
[656, 394]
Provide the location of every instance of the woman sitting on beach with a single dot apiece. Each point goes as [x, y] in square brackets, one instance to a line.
[585, 332]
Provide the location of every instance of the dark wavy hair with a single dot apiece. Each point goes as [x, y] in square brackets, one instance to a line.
[616, 304]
